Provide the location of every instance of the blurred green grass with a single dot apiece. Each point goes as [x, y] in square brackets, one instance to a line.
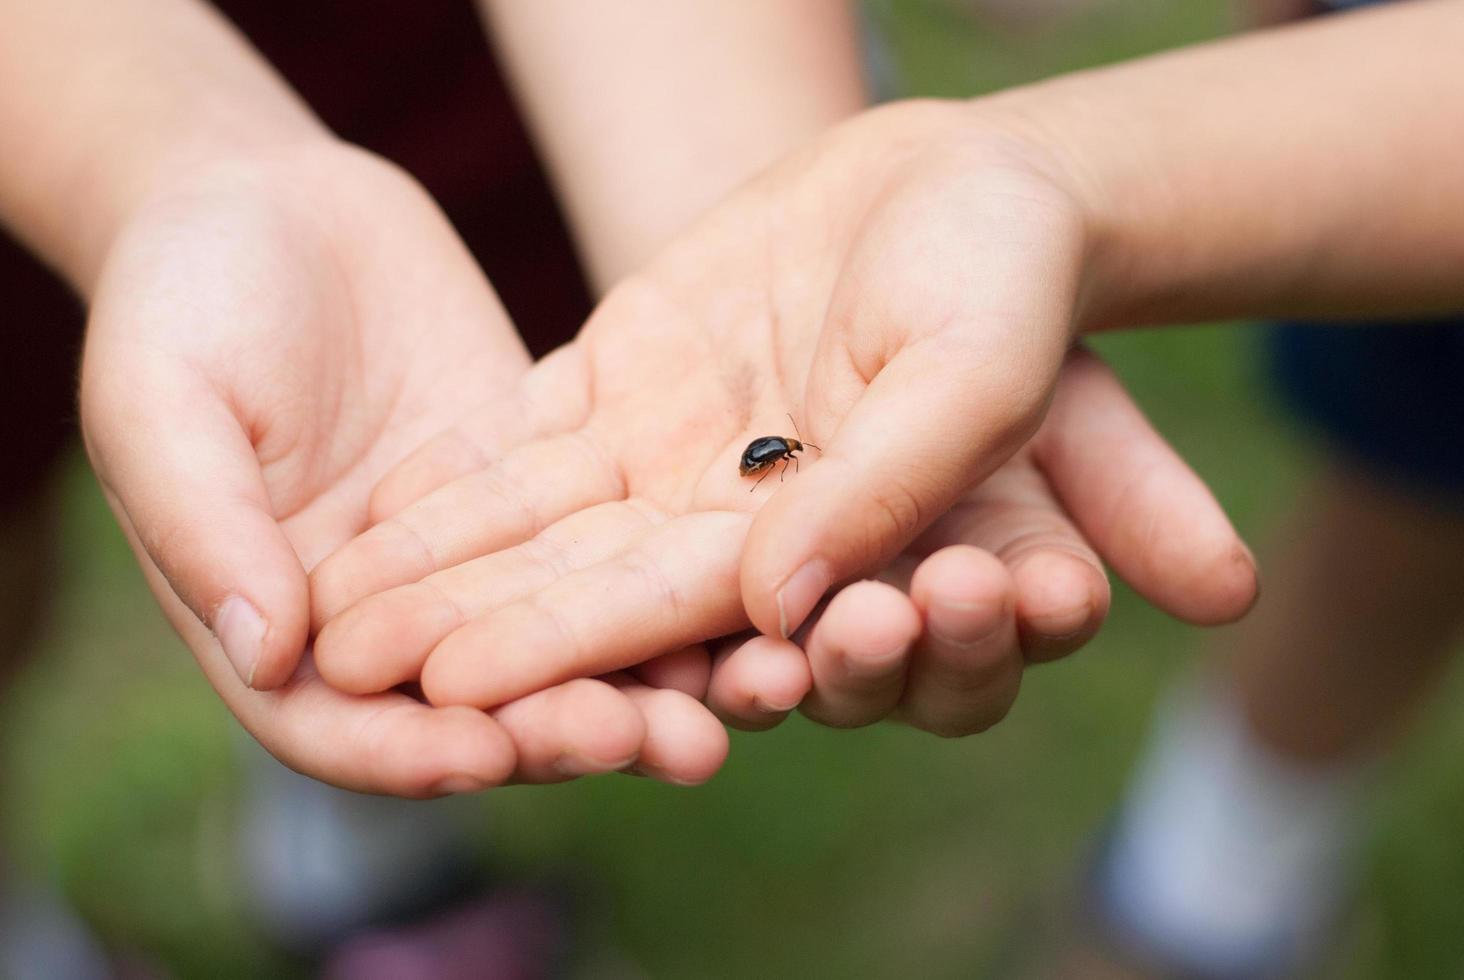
[877, 853]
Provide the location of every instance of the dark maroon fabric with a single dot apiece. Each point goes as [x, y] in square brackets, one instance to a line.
[413, 81]
[41, 323]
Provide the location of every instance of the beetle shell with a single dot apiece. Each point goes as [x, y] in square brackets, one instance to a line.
[764, 452]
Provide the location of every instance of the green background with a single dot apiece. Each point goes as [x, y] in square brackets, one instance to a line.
[876, 853]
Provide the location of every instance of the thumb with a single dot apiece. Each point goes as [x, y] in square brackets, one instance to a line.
[180, 470]
[934, 421]
[940, 347]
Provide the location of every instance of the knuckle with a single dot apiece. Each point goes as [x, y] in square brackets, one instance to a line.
[549, 557]
[502, 483]
[654, 584]
[432, 594]
[897, 516]
[570, 648]
[602, 464]
[418, 548]
[1058, 541]
[375, 739]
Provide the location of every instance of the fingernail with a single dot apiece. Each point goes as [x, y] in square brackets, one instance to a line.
[1060, 626]
[573, 764]
[241, 630]
[457, 784]
[772, 709]
[801, 593]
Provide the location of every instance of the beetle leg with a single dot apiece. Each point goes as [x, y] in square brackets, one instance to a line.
[761, 478]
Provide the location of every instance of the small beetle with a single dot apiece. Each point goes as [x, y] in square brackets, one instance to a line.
[763, 454]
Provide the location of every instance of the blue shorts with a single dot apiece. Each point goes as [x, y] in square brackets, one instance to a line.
[1390, 396]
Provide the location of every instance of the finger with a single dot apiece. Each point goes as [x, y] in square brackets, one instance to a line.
[977, 314]
[1147, 513]
[196, 498]
[871, 492]
[1062, 601]
[757, 682]
[685, 744]
[384, 639]
[687, 671]
[1061, 592]
[858, 653]
[389, 744]
[495, 508]
[383, 743]
[551, 399]
[967, 666]
[577, 729]
[675, 588]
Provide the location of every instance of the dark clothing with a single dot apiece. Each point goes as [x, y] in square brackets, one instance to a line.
[1389, 396]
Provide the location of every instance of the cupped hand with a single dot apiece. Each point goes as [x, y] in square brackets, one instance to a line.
[906, 297]
[1011, 575]
[268, 337]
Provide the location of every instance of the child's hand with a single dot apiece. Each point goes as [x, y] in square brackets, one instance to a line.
[269, 337]
[907, 297]
[1013, 574]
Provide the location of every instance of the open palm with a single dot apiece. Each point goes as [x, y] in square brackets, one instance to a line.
[266, 341]
[910, 309]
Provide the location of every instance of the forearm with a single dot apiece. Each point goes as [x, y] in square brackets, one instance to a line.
[1312, 170]
[100, 100]
[649, 111]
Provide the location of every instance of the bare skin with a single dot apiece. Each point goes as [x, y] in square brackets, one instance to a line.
[259, 353]
[635, 546]
[943, 258]
[256, 300]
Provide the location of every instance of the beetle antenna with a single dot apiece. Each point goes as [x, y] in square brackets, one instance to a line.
[799, 434]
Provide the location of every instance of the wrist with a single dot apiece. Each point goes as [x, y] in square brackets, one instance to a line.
[109, 100]
[1029, 154]
[112, 195]
[1070, 134]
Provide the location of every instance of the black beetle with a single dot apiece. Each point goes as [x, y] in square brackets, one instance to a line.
[764, 452]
